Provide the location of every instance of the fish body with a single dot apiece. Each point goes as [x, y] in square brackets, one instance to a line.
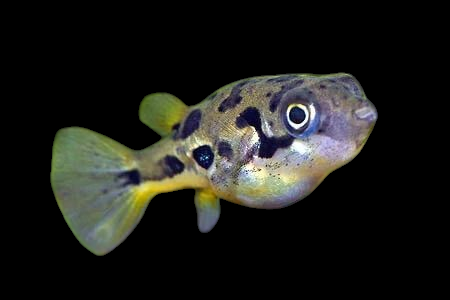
[263, 142]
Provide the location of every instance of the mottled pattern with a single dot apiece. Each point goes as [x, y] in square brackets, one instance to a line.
[263, 160]
[268, 146]
[276, 98]
[191, 124]
[233, 99]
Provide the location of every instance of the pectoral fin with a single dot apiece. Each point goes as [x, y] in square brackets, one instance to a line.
[161, 112]
[208, 209]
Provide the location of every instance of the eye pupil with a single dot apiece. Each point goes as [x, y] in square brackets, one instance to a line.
[297, 115]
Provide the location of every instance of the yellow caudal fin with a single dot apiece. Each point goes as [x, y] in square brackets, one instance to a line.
[161, 112]
[97, 187]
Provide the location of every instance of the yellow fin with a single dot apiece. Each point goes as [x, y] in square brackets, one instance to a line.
[208, 209]
[161, 112]
[98, 188]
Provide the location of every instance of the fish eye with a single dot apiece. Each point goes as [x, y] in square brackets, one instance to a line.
[297, 116]
[299, 113]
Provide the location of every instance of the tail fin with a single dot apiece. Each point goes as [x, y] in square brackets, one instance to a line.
[97, 187]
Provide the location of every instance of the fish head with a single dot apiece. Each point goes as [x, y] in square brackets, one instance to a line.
[329, 120]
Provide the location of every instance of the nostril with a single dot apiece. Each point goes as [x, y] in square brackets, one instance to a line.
[367, 113]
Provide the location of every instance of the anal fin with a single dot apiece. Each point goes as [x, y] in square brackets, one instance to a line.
[208, 209]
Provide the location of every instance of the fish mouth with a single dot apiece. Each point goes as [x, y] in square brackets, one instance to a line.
[367, 113]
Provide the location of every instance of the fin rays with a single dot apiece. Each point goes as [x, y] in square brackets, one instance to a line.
[161, 112]
[99, 209]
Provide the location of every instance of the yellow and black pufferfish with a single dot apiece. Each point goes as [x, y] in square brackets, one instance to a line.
[263, 142]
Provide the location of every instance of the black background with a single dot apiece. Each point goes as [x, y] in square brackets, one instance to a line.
[100, 89]
[76, 65]
[106, 99]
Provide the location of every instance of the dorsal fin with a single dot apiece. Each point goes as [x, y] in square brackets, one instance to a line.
[161, 112]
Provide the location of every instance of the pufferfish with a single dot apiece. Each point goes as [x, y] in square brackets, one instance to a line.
[263, 142]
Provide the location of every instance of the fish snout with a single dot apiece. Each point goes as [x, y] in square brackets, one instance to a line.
[365, 116]
[366, 112]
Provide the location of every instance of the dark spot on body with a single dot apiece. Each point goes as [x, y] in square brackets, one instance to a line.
[241, 122]
[224, 149]
[132, 177]
[276, 98]
[269, 94]
[172, 166]
[249, 117]
[104, 191]
[234, 98]
[176, 126]
[268, 146]
[204, 156]
[191, 124]
[322, 86]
